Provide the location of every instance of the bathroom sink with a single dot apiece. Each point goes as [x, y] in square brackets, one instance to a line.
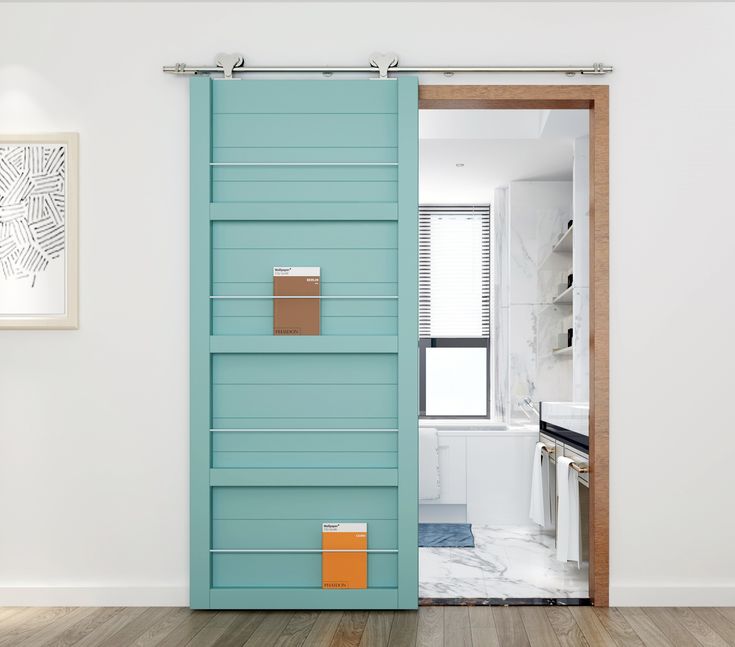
[572, 416]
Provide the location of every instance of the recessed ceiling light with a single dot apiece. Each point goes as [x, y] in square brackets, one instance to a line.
[459, 165]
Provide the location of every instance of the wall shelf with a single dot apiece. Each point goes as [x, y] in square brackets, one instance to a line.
[565, 297]
[563, 352]
[551, 308]
[562, 303]
[562, 246]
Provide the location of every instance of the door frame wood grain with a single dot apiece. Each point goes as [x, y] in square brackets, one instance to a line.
[594, 98]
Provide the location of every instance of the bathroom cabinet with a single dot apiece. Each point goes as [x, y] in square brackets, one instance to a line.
[485, 476]
[499, 479]
[453, 469]
[558, 447]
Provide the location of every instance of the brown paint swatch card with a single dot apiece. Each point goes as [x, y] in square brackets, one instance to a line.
[298, 316]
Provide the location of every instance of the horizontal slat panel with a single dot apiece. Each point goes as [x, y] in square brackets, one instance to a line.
[304, 191]
[313, 477]
[334, 155]
[305, 423]
[291, 570]
[310, 400]
[312, 211]
[304, 235]
[315, 173]
[329, 308]
[305, 441]
[299, 369]
[295, 598]
[309, 130]
[304, 459]
[348, 265]
[303, 216]
[303, 96]
[294, 533]
[328, 288]
[303, 344]
[326, 503]
[360, 325]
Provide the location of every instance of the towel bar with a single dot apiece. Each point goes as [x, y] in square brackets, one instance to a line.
[581, 469]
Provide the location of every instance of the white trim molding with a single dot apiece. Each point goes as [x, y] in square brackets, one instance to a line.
[94, 596]
[675, 595]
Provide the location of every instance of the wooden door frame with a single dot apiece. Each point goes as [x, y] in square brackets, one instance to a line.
[594, 98]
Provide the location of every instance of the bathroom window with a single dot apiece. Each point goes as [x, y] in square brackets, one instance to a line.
[454, 310]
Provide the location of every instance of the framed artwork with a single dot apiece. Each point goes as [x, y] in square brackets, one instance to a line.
[39, 231]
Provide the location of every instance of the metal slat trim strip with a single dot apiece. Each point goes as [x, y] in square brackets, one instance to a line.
[302, 429]
[301, 550]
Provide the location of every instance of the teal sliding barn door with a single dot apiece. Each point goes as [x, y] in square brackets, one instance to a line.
[289, 432]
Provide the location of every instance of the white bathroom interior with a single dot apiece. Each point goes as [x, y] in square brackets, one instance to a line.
[504, 314]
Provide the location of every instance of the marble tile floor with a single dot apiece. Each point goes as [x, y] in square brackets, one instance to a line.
[507, 562]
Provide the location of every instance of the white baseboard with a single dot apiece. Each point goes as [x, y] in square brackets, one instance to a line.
[673, 596]
[163, 596]
[94, 596]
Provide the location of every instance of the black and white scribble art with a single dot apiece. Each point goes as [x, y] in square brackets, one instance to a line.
[32, 209]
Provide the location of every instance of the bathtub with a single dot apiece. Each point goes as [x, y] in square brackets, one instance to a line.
[484, 472]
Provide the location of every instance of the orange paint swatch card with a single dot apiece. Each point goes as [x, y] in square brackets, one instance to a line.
[346, 570]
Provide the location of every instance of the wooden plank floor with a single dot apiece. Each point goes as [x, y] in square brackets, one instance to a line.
[429, 627]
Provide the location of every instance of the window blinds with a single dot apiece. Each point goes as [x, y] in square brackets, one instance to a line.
[454, 271]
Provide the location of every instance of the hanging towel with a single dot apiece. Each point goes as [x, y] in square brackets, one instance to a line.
[428, 464]
[567, 518]
[540, 511]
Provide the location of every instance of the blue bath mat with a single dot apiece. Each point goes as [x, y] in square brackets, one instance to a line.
[449, 535]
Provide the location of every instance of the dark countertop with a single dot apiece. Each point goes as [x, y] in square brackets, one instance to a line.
[571, 438]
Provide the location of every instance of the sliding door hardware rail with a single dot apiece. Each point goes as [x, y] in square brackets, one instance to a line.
[384, 64]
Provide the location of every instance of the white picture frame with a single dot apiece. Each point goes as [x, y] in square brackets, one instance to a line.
[39, 231]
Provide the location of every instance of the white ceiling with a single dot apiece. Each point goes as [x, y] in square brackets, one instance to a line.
[496, 147]
[480, 124]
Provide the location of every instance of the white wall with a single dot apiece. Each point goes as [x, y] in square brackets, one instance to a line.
[93, 423]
